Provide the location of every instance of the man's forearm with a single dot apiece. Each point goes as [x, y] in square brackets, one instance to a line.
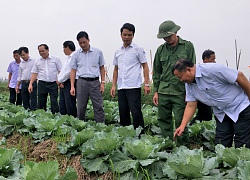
[72, 77]
[243, 83]
[146, 73]
[33, 78]
[115, 76]
[188, 113]
[9, 78]
[18, 84]
[102, 72]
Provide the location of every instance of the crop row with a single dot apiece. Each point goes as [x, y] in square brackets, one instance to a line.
[125, 151]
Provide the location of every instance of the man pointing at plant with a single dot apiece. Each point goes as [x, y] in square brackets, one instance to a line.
[226, 90]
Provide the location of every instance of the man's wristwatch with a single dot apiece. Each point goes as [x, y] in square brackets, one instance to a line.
[147, 85]
[103, 82]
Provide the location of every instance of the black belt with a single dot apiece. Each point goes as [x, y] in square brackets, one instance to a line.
[89, 79]
[45, 82]
[25, 81]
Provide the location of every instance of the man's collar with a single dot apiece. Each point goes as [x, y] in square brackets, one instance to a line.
[49, 57]
[131, 45]
[180, 41]
[29, 59]
[90, 49]
[16, 62]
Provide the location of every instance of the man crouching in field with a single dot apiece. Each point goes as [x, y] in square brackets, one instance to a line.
[226, 90]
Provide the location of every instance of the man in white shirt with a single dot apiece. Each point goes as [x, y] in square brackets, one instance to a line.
[24, 74]
[67, 102]
[129, 60]
[45, 70]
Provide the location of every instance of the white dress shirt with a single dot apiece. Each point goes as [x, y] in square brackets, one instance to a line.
[64, 75]
[47, 69]
[24, 70]
[129, 61]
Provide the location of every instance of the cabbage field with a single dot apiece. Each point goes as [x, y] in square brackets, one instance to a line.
[37, 145]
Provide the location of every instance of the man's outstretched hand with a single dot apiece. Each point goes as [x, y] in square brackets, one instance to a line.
[179, 131]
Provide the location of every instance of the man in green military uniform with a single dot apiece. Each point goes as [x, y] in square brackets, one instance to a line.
[169, 92]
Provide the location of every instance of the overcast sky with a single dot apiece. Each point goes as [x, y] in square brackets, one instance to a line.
[208, 24]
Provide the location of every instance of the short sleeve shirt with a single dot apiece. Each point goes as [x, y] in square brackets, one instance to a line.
[24, 71]
[47, 69]
[216, 86]
[13, 69]
[129, 62]
[87, 64]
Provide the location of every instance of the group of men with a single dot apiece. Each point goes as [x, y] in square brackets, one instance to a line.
[82, 77]
[23, 76]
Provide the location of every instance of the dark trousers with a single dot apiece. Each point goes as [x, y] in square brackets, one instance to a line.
[45, 88]
[227, 131]
[130, 100]
[15, 98]
[204, 113]
[67, 103]
[29, 99]
[86, 89]
[168, 106]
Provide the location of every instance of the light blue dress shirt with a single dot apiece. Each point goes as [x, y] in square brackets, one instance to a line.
[13, 69]
[129, 62]
[87, 64]
[216, 86]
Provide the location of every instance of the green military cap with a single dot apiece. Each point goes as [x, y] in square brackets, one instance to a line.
[167, 28]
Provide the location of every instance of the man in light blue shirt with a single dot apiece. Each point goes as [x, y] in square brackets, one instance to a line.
[226, 90]
[129, 61]
[15, 98]
[87, 64]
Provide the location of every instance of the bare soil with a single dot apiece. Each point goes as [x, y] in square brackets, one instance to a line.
[47, 151]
